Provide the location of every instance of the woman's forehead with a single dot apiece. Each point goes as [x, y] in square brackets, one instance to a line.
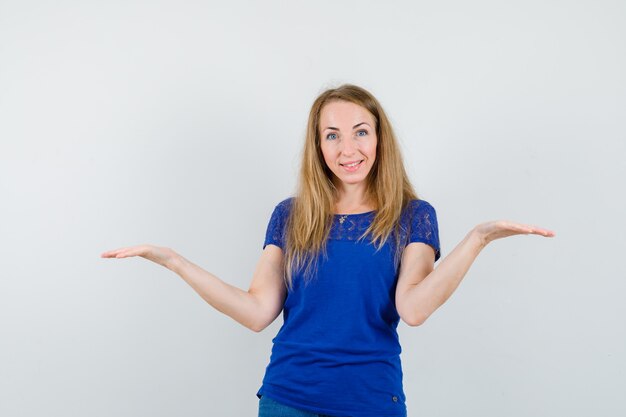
[344, 112]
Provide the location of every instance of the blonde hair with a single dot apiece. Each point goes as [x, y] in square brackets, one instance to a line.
[388, 188]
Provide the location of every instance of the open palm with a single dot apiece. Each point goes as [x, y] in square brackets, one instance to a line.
[497, 229]
[159, 255]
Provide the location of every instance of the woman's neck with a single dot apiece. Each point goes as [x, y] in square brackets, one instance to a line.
[352, 199]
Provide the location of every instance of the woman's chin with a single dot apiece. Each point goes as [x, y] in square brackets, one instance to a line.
[351, 181]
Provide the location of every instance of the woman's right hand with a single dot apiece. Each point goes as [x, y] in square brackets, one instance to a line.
[160, 255]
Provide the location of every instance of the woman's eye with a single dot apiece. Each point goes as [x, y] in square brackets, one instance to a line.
[331, 136]
[361, 133]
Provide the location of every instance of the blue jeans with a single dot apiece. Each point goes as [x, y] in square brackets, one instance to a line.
[270, 408]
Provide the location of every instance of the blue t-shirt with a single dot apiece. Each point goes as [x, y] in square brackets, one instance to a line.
[338, 351]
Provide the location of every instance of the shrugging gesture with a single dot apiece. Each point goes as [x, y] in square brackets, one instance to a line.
[353, 193]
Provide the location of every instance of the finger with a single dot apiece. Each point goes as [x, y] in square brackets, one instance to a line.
[127, 253]
[520, 227]
[541, 231]
[110, 253]
[530, 229]
[119, 253]
[544, 232]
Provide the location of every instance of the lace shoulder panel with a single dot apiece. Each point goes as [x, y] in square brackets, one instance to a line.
[421, 219]
[275, 233]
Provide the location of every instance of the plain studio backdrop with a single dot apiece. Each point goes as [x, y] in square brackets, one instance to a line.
[181, 124]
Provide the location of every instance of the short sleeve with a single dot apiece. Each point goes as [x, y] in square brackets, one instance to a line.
[424, 227]
[275, 233]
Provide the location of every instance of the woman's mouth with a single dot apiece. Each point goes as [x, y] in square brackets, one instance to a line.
[352, 166]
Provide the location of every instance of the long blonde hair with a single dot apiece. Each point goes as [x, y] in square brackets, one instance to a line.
[388, 187]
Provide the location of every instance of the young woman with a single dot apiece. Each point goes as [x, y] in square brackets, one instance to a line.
[345, 259]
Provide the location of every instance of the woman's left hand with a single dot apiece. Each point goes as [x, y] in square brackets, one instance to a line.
[497, 229]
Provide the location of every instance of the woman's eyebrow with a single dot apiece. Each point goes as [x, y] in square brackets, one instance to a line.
[353, 127]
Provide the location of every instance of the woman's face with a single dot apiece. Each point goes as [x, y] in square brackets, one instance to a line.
[348, 141]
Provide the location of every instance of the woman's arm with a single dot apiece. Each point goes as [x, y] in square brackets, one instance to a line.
[421, 289]
[256, 308]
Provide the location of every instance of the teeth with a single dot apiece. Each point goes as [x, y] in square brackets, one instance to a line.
[353, 164]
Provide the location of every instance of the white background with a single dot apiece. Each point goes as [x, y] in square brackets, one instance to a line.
[181, 124]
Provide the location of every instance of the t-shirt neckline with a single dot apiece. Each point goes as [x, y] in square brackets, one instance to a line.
[355, 214]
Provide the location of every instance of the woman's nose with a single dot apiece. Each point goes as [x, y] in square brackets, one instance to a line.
[348, 146]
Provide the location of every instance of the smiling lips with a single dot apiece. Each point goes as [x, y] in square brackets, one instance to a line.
[352, 166]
